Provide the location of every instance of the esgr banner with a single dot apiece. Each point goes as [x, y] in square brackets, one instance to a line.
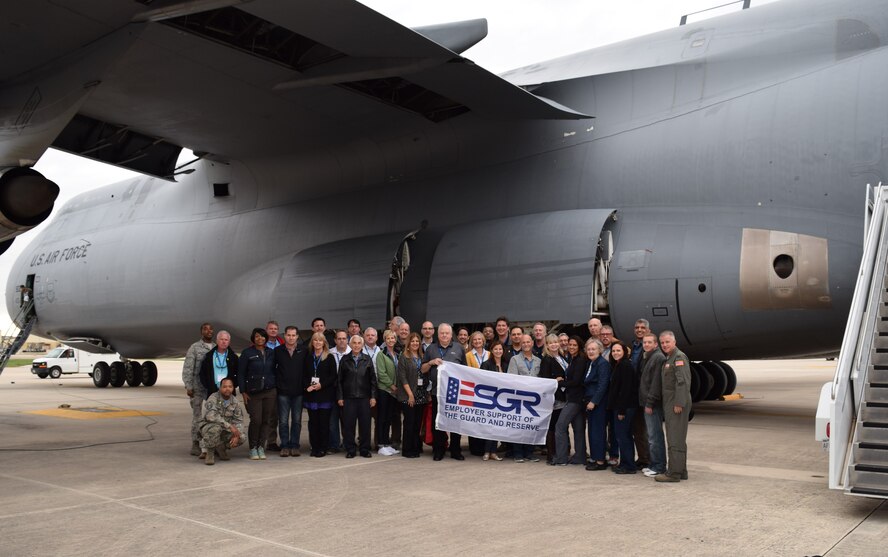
[497, 406]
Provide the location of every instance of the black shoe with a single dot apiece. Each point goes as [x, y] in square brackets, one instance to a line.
[438, 457]
[594, 466]
[624, 471]
[349, 455]
[366, 454]
[272, 447]
[640, 464]
[457, 456]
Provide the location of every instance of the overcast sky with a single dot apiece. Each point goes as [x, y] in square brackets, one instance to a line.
[520, 32]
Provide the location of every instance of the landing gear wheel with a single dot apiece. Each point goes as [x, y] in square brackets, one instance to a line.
[42, 374]
[719, 380]
[149, 374]
[705, 382]
[101, 375]
[695, 384]
[117, 374]
[55, 372]
[133, 374]
[732, 378]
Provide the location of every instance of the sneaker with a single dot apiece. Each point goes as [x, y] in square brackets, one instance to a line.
[209, 460]
[645, 470]
[254, 454]
[394, 451]
[519, 460]
[613, 461]
[496, 457]
[486, 457]
[261, 452]
[650, 473]
[533, 458]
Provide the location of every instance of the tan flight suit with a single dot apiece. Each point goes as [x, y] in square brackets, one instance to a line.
[677, 392]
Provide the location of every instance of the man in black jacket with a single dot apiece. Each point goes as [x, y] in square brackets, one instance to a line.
[356, 396]
[220, 362]
[289, 362]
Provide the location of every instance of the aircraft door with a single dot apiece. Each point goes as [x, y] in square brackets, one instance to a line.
[696, 311]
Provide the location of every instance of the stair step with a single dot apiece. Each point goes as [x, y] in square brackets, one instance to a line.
[872, 432]
[871, 454]
[876, 392]
[879, 493]
[875, 412]
[869, 477]
[877, 374]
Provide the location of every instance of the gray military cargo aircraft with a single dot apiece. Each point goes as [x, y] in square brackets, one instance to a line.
[709, 178]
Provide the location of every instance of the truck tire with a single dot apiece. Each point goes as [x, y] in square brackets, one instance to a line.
[133, 374]
[42, 374]
[101, 375]
[55, 372]
[117, 374]
[149, 374]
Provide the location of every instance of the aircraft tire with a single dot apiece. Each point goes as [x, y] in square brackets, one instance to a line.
[732, 378]
[133, 374]
[101, 375]
[55, 372]
[705, 382]
[149, 374]
[719, 380]
[695, 384]
[117, 374]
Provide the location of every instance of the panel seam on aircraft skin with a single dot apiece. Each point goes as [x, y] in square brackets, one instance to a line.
[163, 514]
[727, 100]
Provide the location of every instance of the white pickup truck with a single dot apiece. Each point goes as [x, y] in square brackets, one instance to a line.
[105, 368]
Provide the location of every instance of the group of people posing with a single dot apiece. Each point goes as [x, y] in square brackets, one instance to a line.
[616, 395]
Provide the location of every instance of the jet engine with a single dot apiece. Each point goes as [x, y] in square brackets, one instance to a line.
[26, 199]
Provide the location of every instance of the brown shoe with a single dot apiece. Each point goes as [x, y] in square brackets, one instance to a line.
[295, 452]
[285, 452]
[667, 478]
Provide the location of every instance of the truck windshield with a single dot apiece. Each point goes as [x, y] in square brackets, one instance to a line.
[56, 352]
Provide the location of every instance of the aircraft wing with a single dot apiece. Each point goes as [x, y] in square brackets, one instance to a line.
[245, 79]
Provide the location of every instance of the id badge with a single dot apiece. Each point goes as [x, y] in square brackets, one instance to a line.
[315, 380]
[419, 381]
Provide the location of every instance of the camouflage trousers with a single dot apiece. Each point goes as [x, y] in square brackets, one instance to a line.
[200, 396]
[214, 434]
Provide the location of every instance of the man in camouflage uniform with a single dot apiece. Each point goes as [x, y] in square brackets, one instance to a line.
[221, 423]
[193, 387]
[676, 389]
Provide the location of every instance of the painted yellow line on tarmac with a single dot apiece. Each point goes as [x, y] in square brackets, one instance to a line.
[93, 413]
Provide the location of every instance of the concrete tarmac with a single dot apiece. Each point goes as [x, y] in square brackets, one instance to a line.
[127, 486]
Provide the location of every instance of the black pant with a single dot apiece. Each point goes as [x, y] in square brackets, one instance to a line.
[319, 429]
[550, 436]
[439, 443]
[261, 408]
[356, 410]
[386, 405]
[411, 442]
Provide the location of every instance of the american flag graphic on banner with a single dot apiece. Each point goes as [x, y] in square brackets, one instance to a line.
[460, 392]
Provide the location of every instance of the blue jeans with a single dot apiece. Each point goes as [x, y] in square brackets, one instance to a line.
[656, 439]
[597, 430]
[623, 434]
[335, 440]
[521, 451]
[289, 406]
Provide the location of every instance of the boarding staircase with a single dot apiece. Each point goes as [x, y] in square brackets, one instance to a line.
[15, 338]
[858, 395]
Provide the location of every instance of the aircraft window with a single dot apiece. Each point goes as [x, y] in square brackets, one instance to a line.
[701, 287]
[783, 265]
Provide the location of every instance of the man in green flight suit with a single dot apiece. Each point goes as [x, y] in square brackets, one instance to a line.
[676, 375]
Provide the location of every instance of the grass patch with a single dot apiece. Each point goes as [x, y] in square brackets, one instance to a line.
[18, 362]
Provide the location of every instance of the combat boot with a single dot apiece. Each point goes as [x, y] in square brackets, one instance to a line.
[210, 458]
[195, 448]
[222, 449]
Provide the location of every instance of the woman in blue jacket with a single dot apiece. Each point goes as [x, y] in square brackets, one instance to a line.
[256, 377]
[595, 384]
